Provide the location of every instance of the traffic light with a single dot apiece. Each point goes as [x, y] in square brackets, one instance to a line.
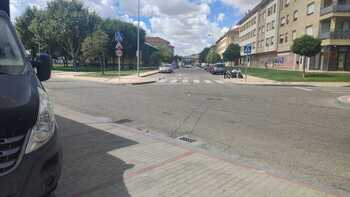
[5, 6]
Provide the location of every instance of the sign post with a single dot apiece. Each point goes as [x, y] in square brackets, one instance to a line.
[119, 49]
[247, 52]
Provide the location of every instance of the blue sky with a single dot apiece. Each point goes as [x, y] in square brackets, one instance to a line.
[185, 23]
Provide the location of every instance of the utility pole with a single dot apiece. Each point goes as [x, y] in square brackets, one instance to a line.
[138, 38]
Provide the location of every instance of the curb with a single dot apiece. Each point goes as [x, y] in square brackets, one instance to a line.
[147, 75]
[141, 83]
[276, 85]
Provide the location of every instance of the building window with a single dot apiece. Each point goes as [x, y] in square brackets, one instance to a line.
[287, 19]
[295, 15]
[309, 30]
[281, 38]
[274, 8]
[287, 3]
[286, 37]
[283, 21]
[272, 42]
[267, 42]
[273, 24]
[310, 8]
[294, 34]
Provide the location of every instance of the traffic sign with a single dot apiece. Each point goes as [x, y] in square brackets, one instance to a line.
[118, 36]
[119, 46]
[119, 53]
[248, 49]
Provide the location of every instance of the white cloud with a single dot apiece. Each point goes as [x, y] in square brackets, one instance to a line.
[242, 5]
[184, 23]
[220, 17]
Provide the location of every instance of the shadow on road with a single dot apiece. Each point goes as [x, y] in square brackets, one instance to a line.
[87, 168]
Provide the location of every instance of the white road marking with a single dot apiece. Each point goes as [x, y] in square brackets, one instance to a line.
[207, 81]
[339, 92]
[185, 81]
[305, 89]
[218, 81]
[196, 81]
[173, 81]
[163, 80]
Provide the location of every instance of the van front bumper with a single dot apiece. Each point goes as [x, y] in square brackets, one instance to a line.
[37, 174]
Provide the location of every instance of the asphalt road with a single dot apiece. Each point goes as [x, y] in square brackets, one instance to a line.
[291, 131]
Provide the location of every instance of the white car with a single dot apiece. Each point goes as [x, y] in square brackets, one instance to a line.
[165, 68]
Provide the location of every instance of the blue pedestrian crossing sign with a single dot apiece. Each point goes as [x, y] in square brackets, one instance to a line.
[248, 49]
[118, 37]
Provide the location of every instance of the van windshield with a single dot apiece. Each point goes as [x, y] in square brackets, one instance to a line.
[11, 60]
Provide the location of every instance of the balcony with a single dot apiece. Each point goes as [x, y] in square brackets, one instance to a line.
[339, 35]
[335, 8]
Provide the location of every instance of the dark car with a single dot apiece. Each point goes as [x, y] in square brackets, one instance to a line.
[30, 153]
[218, 68]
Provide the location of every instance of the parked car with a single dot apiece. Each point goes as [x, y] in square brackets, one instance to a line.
[218, 68]
[165, 68]
[30, 151]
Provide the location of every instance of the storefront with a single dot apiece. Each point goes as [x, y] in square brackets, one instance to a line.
[335, 58]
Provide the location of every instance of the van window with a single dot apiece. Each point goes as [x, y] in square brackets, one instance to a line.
[11, 60]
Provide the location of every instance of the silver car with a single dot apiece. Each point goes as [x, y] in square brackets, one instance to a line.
[165, 68]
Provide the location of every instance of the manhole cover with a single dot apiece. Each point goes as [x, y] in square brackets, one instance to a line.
[122, 121]
[187, 139]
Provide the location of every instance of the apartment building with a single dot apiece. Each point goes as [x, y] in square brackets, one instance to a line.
[231, 37]
[272, 26]
[259, 29]
[248, 27]
[267, 33]
[296, 19]
[161, 44]
[335, 35]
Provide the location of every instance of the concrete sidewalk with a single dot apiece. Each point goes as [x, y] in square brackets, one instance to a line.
[144, 78]
[251, 80]
[166, 167]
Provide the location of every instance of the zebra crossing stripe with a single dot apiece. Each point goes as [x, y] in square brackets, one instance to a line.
[163, 81]
[173, 81]
[196, 81]
[207, 81]
[218, 81]
[185, 81]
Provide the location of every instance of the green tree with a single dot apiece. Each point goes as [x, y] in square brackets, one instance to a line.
[165, 55]
[232, 53]
[155, 59]
[306, 46]
[110, 26]
[22, 26]
[95, 47]
[203, 55]
[71, 22]
[212, 56]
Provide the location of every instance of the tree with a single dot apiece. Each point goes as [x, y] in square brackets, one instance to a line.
[110, 26]
[306, 46]
[232, 53]
[22, 26]
[71, 22]
[203, 55]
[155, 59]
[165, 54]
[95, 47]
[212, 56]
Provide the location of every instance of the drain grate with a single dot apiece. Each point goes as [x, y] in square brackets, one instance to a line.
[122, 121]
[187, 139]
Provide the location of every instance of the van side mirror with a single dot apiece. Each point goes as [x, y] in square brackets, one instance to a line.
[43, 65]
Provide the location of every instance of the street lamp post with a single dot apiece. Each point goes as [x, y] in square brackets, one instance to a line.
[138, 38]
